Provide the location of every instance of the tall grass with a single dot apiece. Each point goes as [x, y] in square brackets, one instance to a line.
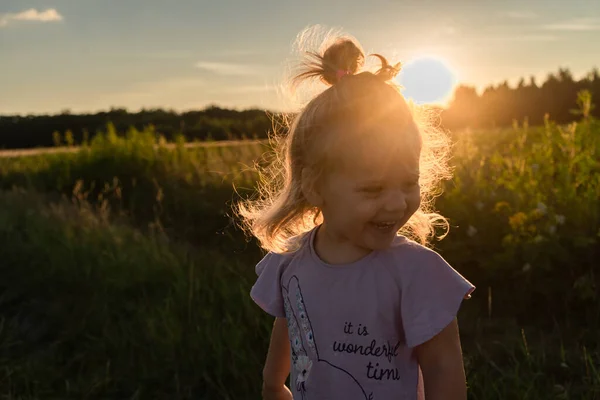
[92, 309]
[526, 211]
[187, 192]
[123, 276]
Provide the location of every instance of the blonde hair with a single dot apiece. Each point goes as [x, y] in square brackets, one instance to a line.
[353, 105]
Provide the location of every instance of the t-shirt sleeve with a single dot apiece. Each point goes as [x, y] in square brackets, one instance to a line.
[431, 297]
[266, 291]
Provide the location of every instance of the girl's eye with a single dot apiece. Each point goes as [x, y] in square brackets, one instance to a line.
[371, 189]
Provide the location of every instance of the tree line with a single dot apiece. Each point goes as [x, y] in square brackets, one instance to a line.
[497, 106]
[500, 105]
[212, 123]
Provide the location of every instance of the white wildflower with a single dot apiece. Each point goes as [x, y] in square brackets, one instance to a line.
[541, 207]
[560, 219]
[526, 267]
[479, 205]
[471, 231]
[552, 229]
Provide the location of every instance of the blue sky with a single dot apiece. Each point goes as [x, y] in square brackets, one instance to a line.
[86, 55]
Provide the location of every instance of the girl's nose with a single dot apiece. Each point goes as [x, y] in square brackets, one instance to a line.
[395, 202]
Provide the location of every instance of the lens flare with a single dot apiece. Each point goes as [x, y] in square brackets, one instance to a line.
[427, 80]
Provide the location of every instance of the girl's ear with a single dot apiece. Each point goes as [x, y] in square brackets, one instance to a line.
[310, 189]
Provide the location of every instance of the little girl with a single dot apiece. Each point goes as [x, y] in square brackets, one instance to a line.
[362, 311]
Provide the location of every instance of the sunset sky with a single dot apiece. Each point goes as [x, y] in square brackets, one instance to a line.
[86, 55]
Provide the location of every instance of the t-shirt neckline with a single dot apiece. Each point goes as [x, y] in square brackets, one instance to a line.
[315, 257]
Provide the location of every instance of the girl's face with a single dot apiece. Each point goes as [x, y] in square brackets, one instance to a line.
[370, 195]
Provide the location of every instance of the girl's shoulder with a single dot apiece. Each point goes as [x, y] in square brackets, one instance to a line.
[267, 289]
[279, 260]
[418, 266]
[408, 250]
[410, 258]
[272, 262]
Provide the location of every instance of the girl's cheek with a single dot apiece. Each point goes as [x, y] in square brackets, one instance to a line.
[368, 206]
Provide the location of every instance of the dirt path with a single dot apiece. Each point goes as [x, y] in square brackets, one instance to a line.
[50, 150]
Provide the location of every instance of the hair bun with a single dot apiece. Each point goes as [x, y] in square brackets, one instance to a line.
[343, 57]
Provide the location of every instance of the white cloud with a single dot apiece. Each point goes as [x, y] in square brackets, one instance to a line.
[164, 93]
[575, 25]
[250, 89]
[520, 15]
[524, 38]
[49, 15]
[166, 55]
[175, 85]
[527, 38]
[238, 52]
[448, 30]
[222, 68]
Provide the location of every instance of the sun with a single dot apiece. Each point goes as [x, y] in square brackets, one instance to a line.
[427, 80]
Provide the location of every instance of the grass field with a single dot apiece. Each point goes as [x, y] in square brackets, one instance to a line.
[124, 276]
